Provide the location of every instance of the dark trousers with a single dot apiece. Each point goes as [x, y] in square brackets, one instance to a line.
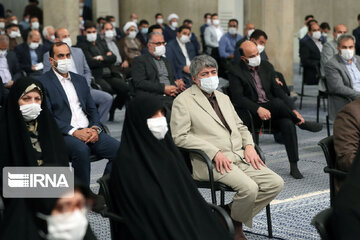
[79, 154]
[283, 120]
[114, 85]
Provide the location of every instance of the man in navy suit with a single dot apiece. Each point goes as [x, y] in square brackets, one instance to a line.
[180, 52]
[30, 54]
[74, 110]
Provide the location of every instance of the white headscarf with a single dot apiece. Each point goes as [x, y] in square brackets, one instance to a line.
[173, 15]
[128, 25]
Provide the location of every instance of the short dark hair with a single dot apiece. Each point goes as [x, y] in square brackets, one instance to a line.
[234, 20]
[158, 14]
[325, 25]
[103, 26]
[31, 17]
[99, 19]
[189, 21]
[182, 28]
[108, 18]
[56, 44]
[89, 24]
[241, 51]
[152, 27]
[310, 22]
[214, 14]
[11, 25]
[143, 21]
[359, 17]
[308, 16]
[207, 14]
[258, 33]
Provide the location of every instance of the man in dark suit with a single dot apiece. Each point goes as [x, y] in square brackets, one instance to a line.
[69, 100]
[171, 29]
[356, 33]
[193, 38]
[9, 66]
[153, 74]
[253, 88]
[30, 54]
[180, 52]
[49, 37]
[310, 50]
[143, 30]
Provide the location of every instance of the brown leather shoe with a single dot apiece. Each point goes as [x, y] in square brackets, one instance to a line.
[239, 234]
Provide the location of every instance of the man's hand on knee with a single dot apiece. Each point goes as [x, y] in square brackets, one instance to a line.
[221, 162]
[82, 134]
[94, 136]
[252, 157]
[263, 113]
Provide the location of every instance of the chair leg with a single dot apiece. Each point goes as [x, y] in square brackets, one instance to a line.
[213, 196]
[317, 108]
[302, 93]
[328, 125]
[269, 224]
[222, 197]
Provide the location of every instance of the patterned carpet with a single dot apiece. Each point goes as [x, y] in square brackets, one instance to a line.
[295, 206]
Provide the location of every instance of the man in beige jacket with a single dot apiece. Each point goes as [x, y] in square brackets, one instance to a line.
[203, 118]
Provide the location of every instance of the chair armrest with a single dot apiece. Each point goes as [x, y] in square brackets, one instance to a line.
[335, 172]
[260, 153]
[226, 218]
[105, 129]
[113, 216]
[94, 85]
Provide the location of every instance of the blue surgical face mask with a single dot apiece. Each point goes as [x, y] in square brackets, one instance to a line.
[144, 30]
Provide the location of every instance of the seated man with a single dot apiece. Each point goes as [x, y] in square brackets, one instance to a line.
[143, 30]
[152, 73]
[118, 33]
[180, 52]
[248, 30]
[253, 88]
[30, 54]
[193, 37]
[342, 74]
[9, 66]
[346, 137]
[102, 99]
[203, 118]
[13, 32]
[228, 40]
[310, 50]
[69, 100]
[49, 37]
[171, 29]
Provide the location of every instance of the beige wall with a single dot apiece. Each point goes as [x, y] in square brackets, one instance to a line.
[192, 9]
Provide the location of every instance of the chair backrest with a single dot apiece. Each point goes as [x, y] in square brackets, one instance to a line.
[327, 145]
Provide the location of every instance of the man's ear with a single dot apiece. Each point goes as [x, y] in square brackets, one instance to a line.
[244, 59]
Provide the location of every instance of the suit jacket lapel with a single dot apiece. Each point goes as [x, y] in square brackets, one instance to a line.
[152, 64]
[77, 87]
[225, 110]
[343, 65]
[59, 87]
[204, 103]
[248, 76]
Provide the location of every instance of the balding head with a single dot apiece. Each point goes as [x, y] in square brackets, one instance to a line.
[250, 54]
[34, 36]
[339, 30]
[249, 27]
[60, 34]
[48, 33]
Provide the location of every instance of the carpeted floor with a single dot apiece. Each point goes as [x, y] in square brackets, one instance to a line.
[299, 201]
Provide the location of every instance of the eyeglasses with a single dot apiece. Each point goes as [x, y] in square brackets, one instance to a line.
[158, 43]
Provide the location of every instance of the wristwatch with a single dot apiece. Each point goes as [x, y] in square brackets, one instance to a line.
[98, 129]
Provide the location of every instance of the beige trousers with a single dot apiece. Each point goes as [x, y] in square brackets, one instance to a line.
[255, 189]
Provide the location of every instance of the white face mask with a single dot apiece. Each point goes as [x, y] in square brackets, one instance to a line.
[132, 34]
[255, 61]
[338, 35]
[114, 24]
[216, 22]
[52, 37]
[209, 84]
[35, 25]
[158, 127]
[160, 21]
[67, 41]
[174, 24]
[159, 50]
[208, 21]
[232, 30]
[14, 22]
[135, 20]
[250, 31]
[33, 45]
[18, 33]
[184, 39]
[66, 226]
[30, 111]
[63, 65]
[2, 25]
[91, 37]
[324, 34]
[347, 54]
[13, 34]
[260, 48]
[109, 34]
[3, 53]
[316, 35]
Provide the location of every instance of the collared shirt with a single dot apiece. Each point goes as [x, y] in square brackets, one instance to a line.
[318, 44]
[215, 105]
[4, 70]
[73, 66]
[34, 57]
[258, 85]
[162, 70]
[78, 117]
[354, 73]
[184, 51]
[219, 32]
[227, 44]
[114, 49]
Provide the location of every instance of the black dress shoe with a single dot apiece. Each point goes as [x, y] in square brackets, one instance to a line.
[311, 126]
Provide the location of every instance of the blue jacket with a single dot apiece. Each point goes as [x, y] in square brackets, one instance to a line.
[169, 34]
[58, 104]
[177, 58]
[23, 55]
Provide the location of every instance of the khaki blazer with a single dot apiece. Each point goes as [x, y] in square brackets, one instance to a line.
[195, 125]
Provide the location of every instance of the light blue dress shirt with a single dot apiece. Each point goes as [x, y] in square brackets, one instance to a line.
[227, 44]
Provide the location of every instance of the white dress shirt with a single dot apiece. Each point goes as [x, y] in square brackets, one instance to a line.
[219, 32]
[78, 117]
[4, 70]
[318, 44]
[184, 51]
